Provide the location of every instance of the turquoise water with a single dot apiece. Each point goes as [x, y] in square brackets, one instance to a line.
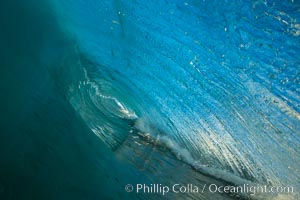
[100, 94]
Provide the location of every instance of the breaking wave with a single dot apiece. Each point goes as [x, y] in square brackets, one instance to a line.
[209, 88]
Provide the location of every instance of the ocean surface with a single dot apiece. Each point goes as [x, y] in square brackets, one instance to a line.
[99, 94]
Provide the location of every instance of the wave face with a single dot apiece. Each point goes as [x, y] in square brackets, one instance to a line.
[209, 88]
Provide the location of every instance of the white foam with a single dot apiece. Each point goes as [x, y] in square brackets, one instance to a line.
[184, 155]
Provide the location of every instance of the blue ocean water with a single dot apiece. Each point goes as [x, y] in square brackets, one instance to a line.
[100, 94]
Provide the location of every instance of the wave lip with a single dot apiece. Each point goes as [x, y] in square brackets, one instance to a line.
[96, 97]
